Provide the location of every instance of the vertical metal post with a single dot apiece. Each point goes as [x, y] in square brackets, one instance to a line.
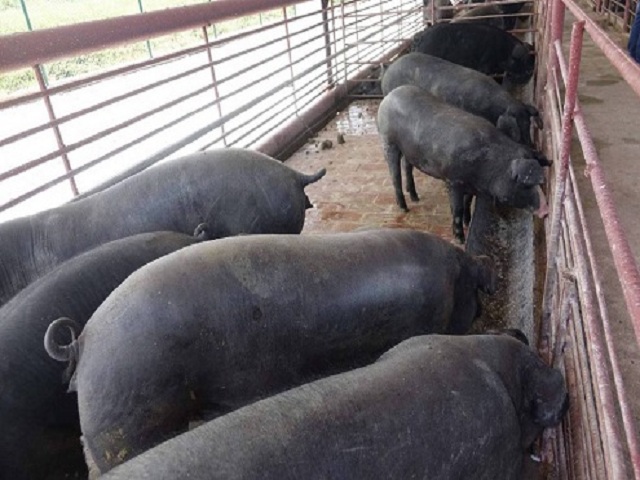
[55, 128]
[214, 82]
[544, 50]
[626, 23]
[141, 10]
[327, 40]
[560, 183]
[629, 423]
[557, 21]
[335, 40]
[27, 19]
[25, 12]
[357, 28]
[344, 45]
[399, 12]
[382, 25]
[601, 379]
[556, 18]
[293, 86]
[569, 294]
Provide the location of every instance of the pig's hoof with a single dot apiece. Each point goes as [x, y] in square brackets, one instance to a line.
[415, 198]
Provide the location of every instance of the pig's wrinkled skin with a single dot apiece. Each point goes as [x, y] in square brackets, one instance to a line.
[234, 191]
[216, 326]
[466, 151]
[39, 437]
[434, 407]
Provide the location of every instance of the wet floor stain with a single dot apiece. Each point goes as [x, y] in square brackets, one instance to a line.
[600, 144]
[589, 100]
[604, 80]
[358, 119]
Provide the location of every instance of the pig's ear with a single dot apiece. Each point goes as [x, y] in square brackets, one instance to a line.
[486, 274]
[521, 51]
[541, 158]
[509, 332]
[546, 393]
[527, 171]
[507, 124]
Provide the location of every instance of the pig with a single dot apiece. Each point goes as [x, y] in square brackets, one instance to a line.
[436, 407]
[40, 430]
[467, 89]
[234, 191]
[489, 14]
[482, 47]
[466, 151]
[441, 8]
[211, 328]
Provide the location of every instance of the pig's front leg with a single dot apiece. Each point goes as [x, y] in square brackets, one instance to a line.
[456, 201]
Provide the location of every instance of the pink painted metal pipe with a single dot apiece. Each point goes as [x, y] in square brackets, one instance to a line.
[622, 255]
[627, 67]
[587, 145]
[41, 46]
[597, 350]
[608, 403]
[557, 20]
[561, 176]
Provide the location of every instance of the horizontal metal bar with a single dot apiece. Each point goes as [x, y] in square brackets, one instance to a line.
[75, 84]
[78, 170]
[97, 106]
[99, 135]
[21, 50]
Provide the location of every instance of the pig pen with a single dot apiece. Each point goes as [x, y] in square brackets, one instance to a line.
[317, 54]
[357, 193]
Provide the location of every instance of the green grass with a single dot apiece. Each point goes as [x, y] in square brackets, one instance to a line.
[53, 13]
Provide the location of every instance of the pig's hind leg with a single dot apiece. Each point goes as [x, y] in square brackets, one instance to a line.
[410, 185]
[393, 155]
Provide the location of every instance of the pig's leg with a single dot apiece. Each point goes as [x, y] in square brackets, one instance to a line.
[408, 178]
[392, 155]
[456, 201]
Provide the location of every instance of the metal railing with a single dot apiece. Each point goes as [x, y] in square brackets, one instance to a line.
[599, 438]
[618, 12]
[257, 87]
[264, 86]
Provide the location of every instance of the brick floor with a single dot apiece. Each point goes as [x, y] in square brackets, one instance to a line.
[357, 191]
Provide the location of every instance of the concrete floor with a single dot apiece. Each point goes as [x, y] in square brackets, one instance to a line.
[357, 190]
